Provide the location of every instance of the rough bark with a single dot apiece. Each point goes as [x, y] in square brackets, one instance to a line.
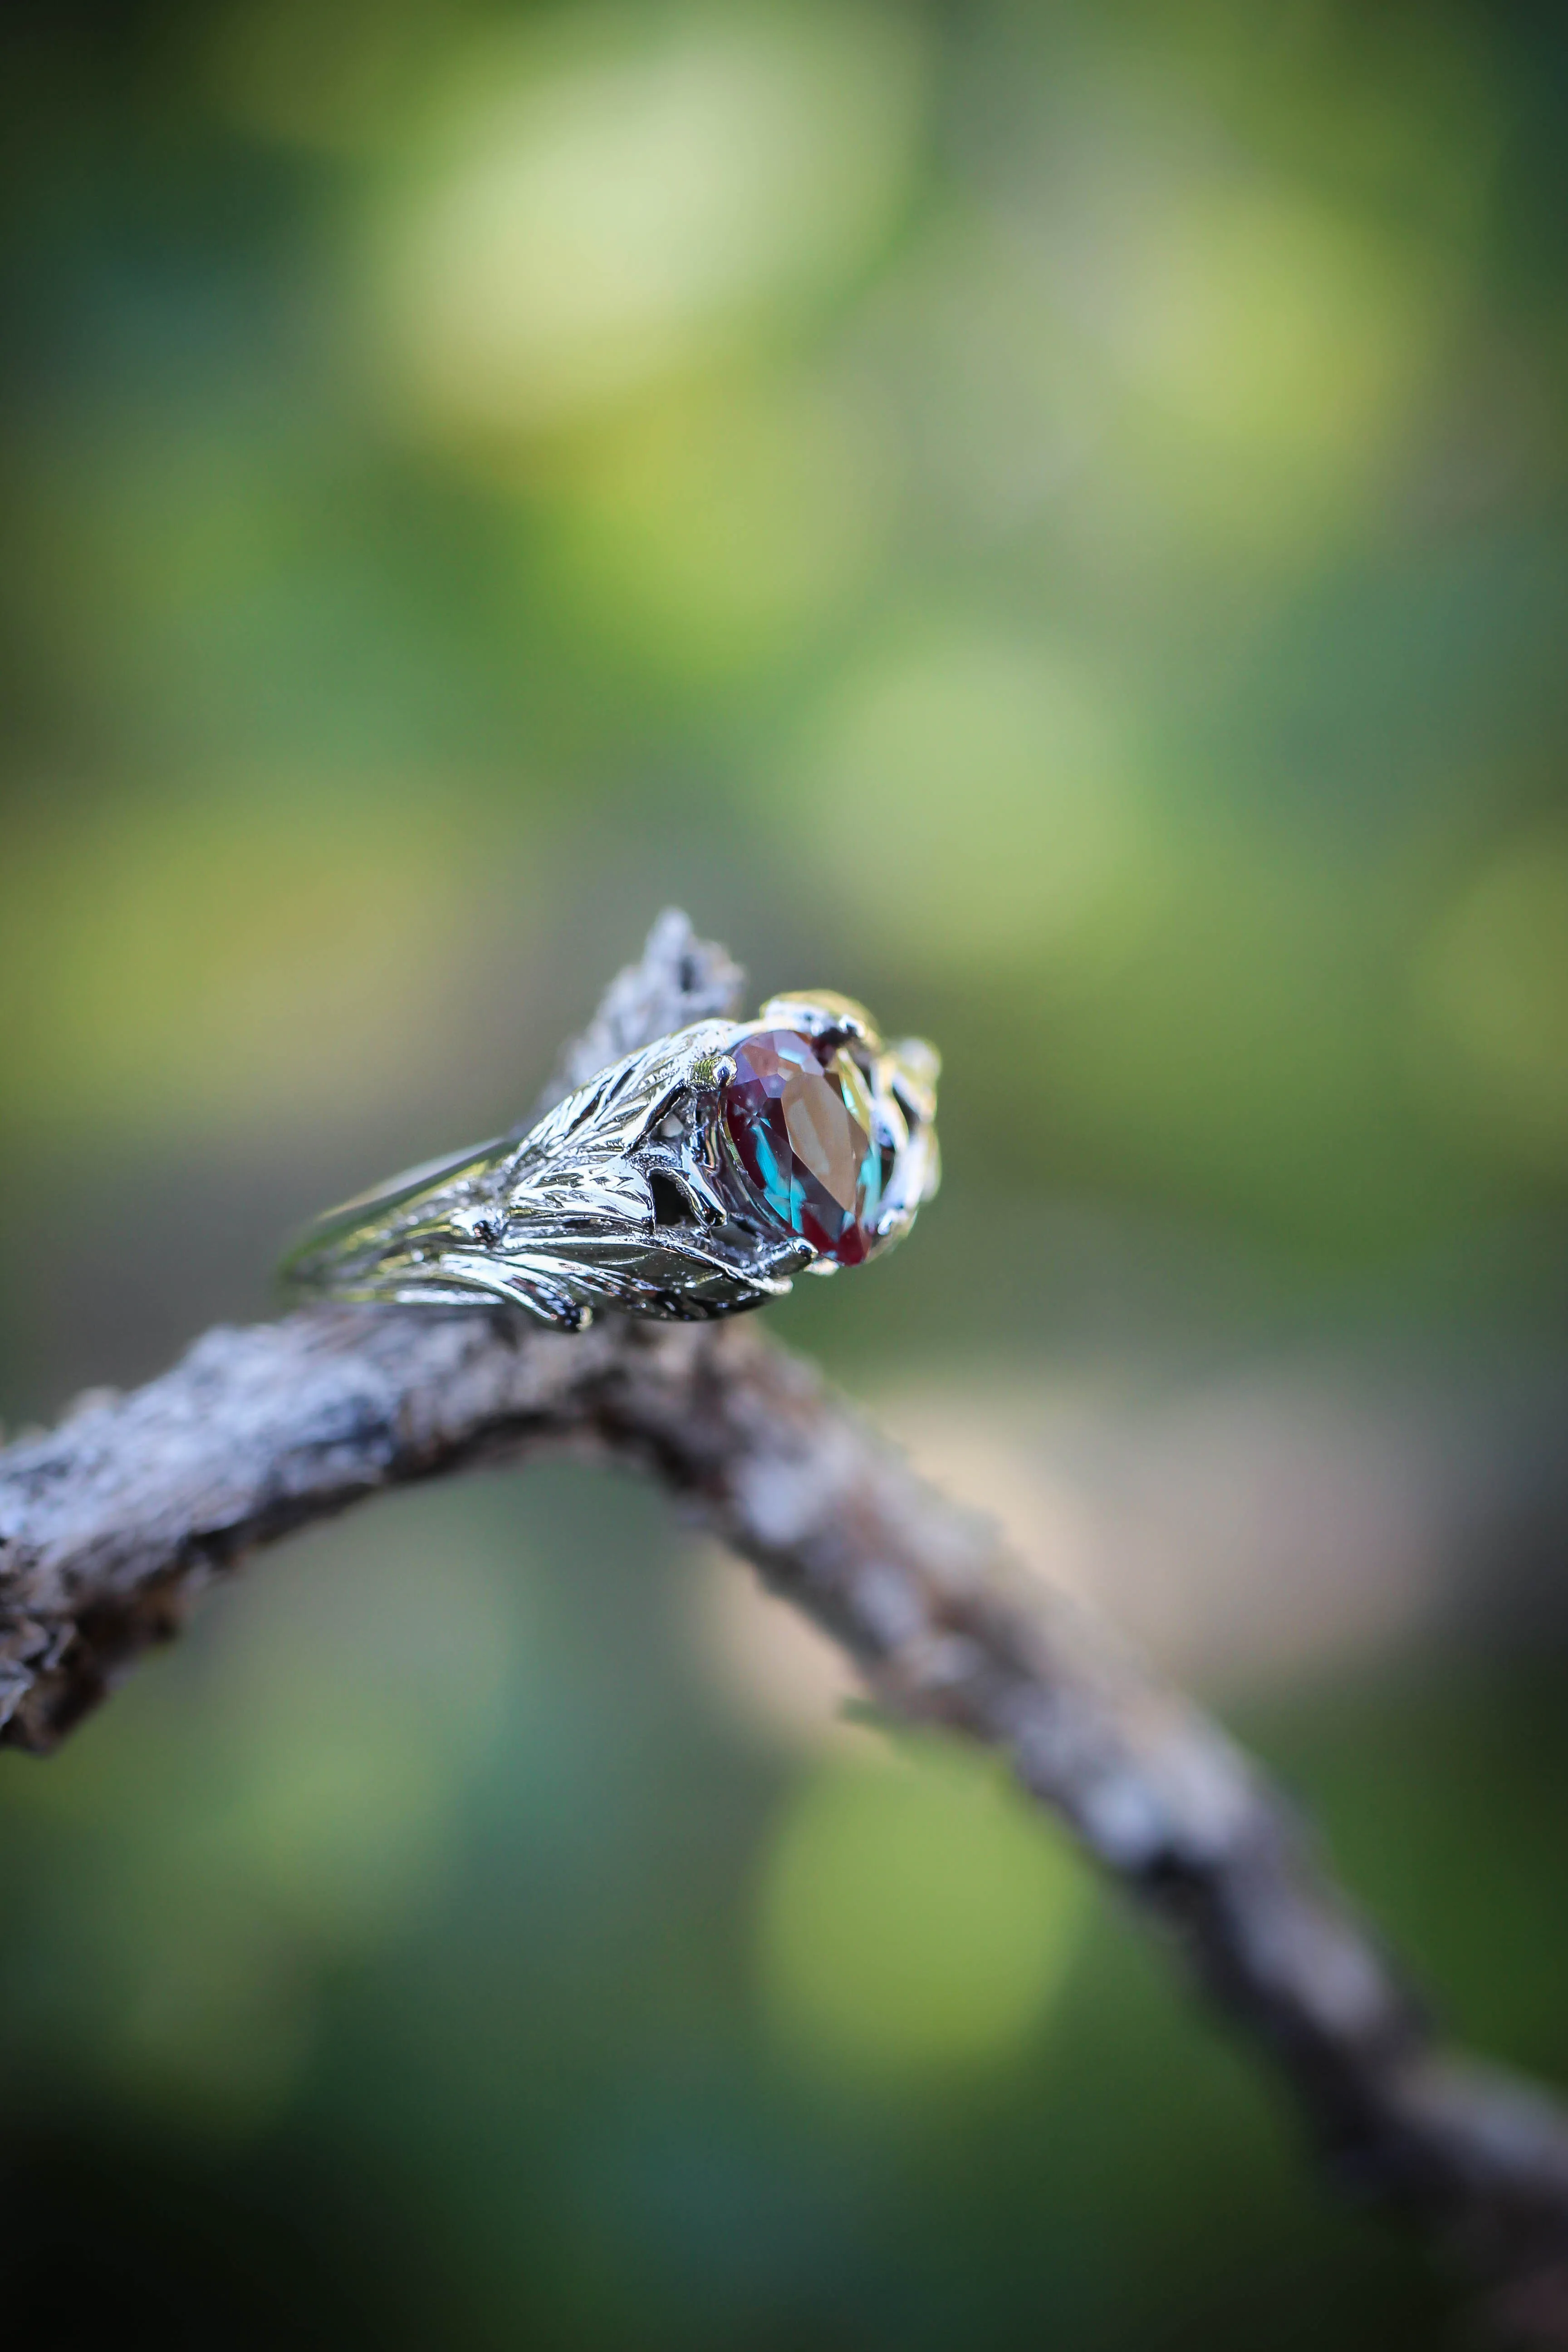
[111, 1525]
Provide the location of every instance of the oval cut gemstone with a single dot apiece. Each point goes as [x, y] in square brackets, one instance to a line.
[801, 1122]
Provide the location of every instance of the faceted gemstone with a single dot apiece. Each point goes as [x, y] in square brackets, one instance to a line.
[800, 1120]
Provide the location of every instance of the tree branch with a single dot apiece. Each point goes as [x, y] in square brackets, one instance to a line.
[113, 1523]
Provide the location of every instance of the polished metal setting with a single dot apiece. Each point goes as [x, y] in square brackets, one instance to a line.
[631, 1195]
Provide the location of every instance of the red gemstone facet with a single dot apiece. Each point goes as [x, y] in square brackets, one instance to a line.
[801, 1123]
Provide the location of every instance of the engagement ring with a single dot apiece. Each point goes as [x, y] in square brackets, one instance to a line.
[691, 1180]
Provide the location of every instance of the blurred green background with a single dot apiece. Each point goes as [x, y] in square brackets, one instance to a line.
[1052, 519]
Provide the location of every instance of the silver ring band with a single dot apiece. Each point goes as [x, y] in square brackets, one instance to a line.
[694, 1178]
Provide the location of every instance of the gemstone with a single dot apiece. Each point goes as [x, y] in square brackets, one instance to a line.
[799, 1116]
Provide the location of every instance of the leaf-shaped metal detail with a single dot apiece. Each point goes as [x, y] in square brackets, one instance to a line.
[630, 1195]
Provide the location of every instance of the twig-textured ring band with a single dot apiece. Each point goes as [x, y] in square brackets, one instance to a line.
[695, 1178]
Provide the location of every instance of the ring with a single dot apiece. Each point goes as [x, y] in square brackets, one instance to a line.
[693, 1179]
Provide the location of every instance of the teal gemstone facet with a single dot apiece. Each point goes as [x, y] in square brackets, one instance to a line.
[799, 1116]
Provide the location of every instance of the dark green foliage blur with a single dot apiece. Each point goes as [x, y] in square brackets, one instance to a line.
[1052, 519]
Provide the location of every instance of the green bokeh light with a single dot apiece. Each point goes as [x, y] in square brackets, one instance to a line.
[915, 1919]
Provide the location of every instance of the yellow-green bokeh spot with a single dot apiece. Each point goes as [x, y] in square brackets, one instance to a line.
[709, 533]
[989, 783]
[916, 1919]
[1492, 1002]
[236, 962]
[611, 200]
